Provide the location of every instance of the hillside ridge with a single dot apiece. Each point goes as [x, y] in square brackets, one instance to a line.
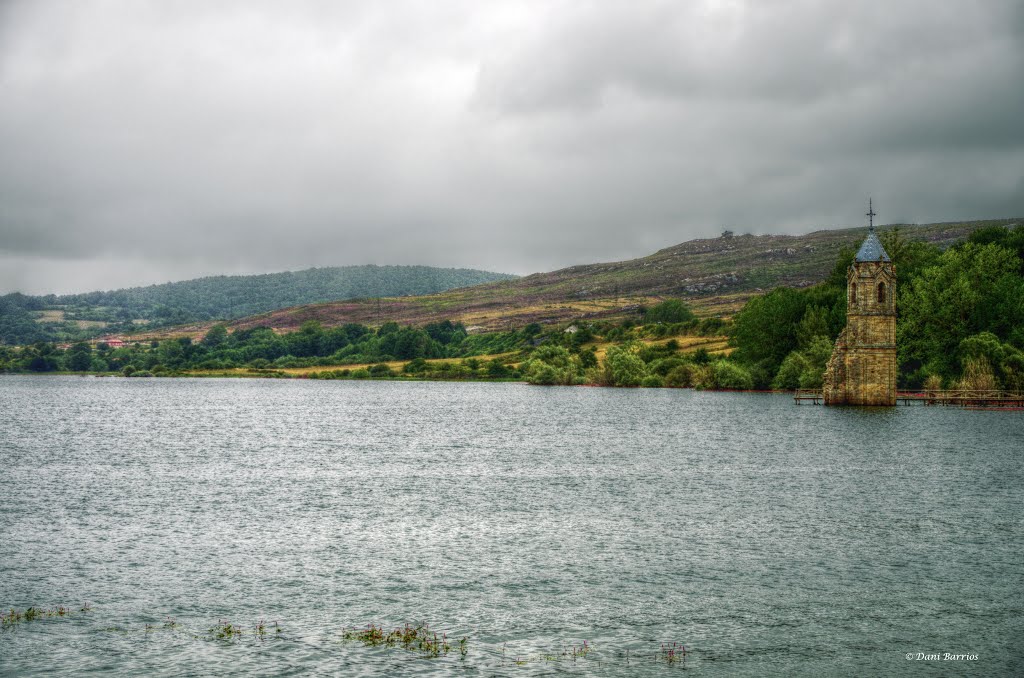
[714, 275]
[27, 318]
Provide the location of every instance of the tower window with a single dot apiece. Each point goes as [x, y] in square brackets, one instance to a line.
[853, 293]
[881, 292]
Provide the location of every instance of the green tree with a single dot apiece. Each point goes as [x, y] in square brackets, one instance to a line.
[804, 368]
[668, 312]
[623, 365]
[80, 357]
[971, 289]
[680, 376]
[813, 325]
[766, 327]
[728, 374]
[215, 337]
[550, 365]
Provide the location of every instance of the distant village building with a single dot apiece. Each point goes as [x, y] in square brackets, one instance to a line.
[862, 369]
[115, 343]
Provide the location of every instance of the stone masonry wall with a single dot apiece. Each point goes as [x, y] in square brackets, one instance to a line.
[862, 369]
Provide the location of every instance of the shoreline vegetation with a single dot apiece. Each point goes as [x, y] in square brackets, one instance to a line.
[960, 325]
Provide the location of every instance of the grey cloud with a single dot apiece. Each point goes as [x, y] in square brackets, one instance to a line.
[146, 141]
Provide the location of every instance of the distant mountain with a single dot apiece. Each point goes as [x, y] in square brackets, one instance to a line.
[27, 319]
[715, 276]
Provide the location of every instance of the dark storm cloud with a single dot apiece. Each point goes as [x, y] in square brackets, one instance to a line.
[145, 141]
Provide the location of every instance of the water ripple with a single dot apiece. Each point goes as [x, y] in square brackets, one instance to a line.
[768, 538]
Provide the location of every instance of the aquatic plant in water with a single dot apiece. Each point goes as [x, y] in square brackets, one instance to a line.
[672, 654]
[414, 638]
[225, 630]
[33, 613]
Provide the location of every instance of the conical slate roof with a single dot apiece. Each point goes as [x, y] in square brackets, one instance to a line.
[872, 249]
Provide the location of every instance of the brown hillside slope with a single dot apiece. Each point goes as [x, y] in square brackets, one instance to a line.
[715, 275]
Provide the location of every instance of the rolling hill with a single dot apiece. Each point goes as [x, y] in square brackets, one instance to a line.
[716, 276]
[27, 319]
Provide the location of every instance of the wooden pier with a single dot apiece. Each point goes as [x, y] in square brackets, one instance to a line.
[975, 400]
[812, 396]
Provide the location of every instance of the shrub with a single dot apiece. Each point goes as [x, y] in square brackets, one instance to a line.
[663, 366]
[416, 366]
[668, 311]
[788, 376]
[702, 377]
[498, 370]
[933, 383]
[978, 375]
[728, 374]
[652, 381]
[806, 368]
[680, 376]
[550, 365]
[623, 366]
[709, 327]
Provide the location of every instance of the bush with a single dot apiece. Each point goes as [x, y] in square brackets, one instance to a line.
[933, 383]
[416, 366]
[702, 377]
[762, 374]
[710, 327]
[730, 375]
[788, 376]
[623, 366]
[588, 359]
[498, 370]
[543, 375]
[652, 381]
[551, 365]
[978, 375]
[361, 373]
[806, 368]
[663, 366]
[668, 311]
[680, 377]
[380, 370]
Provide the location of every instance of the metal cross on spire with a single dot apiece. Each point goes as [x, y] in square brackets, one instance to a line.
[871, 216]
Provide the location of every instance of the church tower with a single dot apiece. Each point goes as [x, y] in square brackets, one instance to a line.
[862, 369]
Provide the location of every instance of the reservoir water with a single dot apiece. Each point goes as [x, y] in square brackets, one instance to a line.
[767, 538]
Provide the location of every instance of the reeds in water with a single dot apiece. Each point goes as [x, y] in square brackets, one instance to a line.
[34, 613]
[414, 638]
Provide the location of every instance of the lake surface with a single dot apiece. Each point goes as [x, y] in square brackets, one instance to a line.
[767, 538]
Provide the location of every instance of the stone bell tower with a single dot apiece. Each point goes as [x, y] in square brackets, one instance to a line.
[862, 369]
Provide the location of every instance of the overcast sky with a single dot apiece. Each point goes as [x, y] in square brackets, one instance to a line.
[144, 141]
